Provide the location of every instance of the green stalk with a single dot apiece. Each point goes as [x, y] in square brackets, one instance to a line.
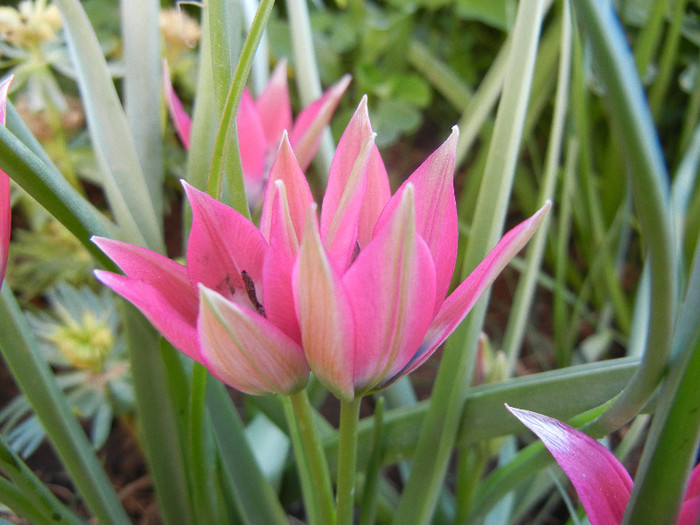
[33, 376]
[311, 462]
[442, 423]
[162, 442]
[650, 187]
[671, 446]
[648, 39]
[370, 494]
[226, 161]
[347, 459]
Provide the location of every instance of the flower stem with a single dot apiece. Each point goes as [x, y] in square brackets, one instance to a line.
[347, 453]
[312, 465]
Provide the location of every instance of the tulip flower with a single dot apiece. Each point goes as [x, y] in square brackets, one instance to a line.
[5, 211]
[211, 309]
[260, 124]
[370, 282]
[601, 482]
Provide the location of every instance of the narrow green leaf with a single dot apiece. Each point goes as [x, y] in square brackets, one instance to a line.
[142, 90]
[224, 23]
[41, 500]
[46, 185]
[442, 422]
[226, 160]
[255, 498]
[649, 180]
[113, 144]
[158, 420]
[33, 376]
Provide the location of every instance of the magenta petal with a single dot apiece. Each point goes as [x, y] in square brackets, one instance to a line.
[273, 106]
[344, 197]
[391, 286]
[181, 119]
[222, 245]
[252, 143]
[5, 222]
[601, 482]
[324, 313]
[464, 297]
[157, 286]
[436, 210]
[305, 137]
[5, 208]
[245, 350]
[278, 298]
[286, 169]
[690, 512]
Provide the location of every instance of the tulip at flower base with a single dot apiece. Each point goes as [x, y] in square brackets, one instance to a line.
[601, 482]
[359, 297]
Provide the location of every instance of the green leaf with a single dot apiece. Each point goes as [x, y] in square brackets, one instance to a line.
[113, 144]
[35, 379]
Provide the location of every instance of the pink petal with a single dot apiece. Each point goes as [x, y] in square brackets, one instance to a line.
[181, 119]
[273, 106]
[436, 210]
[305, 137]
[278, 298]
[690, 512]
[324, 313]
[343, 200]
[5, 208]
[252, 143]
[601, 482]
[222, 245]
[157, 286]
[377, 195]
[391, 287]
[5, 222]
[246, 351]
[464, 297]
[286, 169]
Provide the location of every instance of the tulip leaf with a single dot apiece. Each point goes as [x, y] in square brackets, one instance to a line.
[34, 377]
[124, 182]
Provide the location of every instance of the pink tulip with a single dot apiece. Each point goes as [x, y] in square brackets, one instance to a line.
[601, 482]
[370, 281]
[211, 308]
[5, 210]
[261, 122]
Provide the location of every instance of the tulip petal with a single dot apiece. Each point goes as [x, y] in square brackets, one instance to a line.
[5, 222]
[324, 313]
[252, 143]
[157, 286]
[278, 297]
[690, 511]
[601, 482]
[343, 200]
[274, 107]
[305, 137]
[436, 210]
[391, 287]
[464, 297]
[286, 169]
[246, 351]
[5, 208]
[181, 120]
[222, 245]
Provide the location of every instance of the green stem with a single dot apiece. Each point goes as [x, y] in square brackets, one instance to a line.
[227, 156]
[347, 457]
[312, 465]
